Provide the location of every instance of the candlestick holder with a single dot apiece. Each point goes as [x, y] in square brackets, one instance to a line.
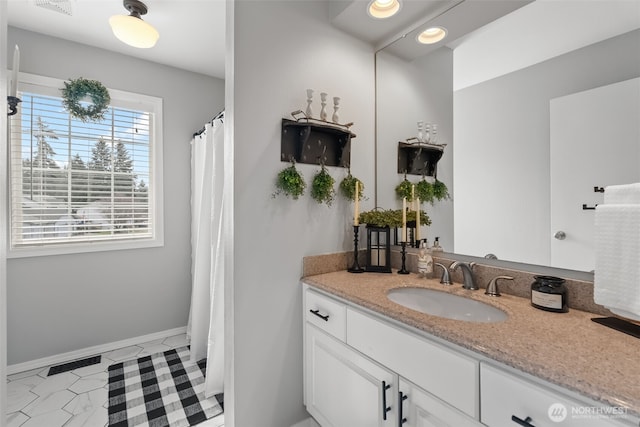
[403, 270]
[13, 105]
[355, 267]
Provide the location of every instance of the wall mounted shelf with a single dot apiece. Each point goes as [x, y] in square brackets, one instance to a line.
[313, 142]
[419, 158]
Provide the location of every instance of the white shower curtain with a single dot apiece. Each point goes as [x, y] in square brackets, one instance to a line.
[206, 321]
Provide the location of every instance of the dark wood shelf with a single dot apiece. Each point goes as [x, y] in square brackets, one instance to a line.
[419, 159]
[314, 142]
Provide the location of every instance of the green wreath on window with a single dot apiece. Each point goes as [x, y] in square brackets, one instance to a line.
[75, 90]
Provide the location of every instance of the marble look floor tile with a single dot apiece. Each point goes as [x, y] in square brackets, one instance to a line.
[125, 353]
[18, 396]
[55, 383]
[97, 417]
[158, 348]
[93, 369]
[89, 383]
[30, 381]
[48, 403]
[217, 421]
[176, 341]
[16, 419]
[151, 343]
[19, 375]
[50, 419]
[88, 401]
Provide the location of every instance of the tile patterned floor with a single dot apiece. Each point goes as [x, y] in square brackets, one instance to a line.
[76, 398]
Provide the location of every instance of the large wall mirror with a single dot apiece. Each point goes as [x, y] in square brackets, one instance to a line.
[537, 108]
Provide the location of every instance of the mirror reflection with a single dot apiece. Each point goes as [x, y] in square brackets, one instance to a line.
[537, 109]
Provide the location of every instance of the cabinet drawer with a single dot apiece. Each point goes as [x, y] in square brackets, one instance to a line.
[504, 395]
[440, 371]
[325, 313]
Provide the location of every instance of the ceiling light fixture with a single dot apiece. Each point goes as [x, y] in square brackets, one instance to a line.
[383, 8]
[431, 35]
[131, 29]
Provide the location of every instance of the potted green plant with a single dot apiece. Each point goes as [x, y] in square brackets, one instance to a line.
[392, 218]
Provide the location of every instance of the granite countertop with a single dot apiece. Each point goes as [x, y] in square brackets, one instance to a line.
[567, 349]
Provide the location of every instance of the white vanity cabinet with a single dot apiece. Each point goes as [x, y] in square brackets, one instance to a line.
[509, 399]
[342, 387]
[364, 370]
[422, 409]
[361, 372]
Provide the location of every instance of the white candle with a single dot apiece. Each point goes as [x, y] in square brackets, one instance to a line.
[356, 206]
[14, 72]
[413, 197]
[418, 220]
[403, 237]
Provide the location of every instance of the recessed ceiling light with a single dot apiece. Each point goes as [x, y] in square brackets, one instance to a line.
[431, 35]
[383, 8]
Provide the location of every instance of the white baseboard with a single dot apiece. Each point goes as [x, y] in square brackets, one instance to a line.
[91, 351]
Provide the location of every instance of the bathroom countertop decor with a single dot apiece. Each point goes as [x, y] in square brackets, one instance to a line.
[566, 349]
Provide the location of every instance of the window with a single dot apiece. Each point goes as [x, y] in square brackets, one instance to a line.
[83, 186]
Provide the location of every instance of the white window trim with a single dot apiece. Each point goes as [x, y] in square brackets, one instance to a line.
[50, 86]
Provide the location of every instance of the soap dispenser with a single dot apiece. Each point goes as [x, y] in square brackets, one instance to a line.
[436, 246]
[425, 261]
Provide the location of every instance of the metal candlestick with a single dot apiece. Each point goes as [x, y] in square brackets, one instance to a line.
[404, 270]
[13, 105]
[355, 268]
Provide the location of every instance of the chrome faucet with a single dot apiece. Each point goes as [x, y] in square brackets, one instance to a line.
[467, 273]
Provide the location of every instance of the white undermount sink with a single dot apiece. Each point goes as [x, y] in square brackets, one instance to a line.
[442, 304]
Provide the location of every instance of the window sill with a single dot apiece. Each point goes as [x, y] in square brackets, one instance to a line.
[67, 249]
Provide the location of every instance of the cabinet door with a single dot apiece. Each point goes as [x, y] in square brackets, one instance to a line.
[344, 388]
[510, 400]
[422, 409]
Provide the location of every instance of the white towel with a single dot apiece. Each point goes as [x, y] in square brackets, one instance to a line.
[617, 247]
[622, 194]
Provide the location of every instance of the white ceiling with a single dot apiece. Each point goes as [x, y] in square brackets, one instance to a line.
[191, 31]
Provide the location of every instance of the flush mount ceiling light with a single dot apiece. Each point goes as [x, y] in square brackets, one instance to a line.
[383, 8]
[131, 29]
[431, 35]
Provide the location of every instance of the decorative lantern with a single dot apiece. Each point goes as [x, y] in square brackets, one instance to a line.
[378, 249]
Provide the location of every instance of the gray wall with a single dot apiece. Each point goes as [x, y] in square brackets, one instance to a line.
[281, 49]
[63, 303]
[3, 210]
[406, 93]
[501, 151]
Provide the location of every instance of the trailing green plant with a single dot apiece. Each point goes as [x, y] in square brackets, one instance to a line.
[391, 217]
[75, 90]
[290, 182]
[403, 190]
[348, 188]
[440, 190]
[322, 190]
[424, 191]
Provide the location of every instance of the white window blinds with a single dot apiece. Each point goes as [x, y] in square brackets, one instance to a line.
[75, 182]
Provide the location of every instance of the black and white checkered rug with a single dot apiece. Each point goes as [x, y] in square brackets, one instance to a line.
[160, 390]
